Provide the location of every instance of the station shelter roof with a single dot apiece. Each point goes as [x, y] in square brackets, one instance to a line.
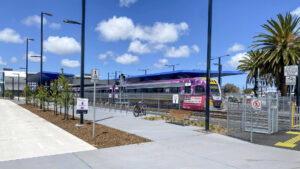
[179, 74]
[47, 76]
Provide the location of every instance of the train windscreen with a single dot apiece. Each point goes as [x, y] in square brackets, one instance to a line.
[215, 89]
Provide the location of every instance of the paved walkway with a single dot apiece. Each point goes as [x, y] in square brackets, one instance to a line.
[209, 151]
[24, 134]
[174, 147]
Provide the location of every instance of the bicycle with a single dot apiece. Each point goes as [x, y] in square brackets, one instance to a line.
[139, 109]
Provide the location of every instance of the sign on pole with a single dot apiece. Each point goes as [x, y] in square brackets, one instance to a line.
[256, 104]
[290, 80]
[94, 75]
[82, 104]
[175, 98]
[291, 70]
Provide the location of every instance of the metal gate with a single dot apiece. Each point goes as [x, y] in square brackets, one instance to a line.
[242, 120]
[264, 120]
[295, 117]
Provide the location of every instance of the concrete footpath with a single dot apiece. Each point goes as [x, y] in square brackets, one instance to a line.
[174, 147]
[24, 135]
[209, 151]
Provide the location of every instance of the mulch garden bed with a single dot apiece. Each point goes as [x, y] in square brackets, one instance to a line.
[104, 136]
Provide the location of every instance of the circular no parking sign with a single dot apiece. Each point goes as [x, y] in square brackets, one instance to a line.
[256, 104]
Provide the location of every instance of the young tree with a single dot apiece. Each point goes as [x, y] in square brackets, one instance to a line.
[27, 93]
[55, 95]
[42, 96]
[66, 93]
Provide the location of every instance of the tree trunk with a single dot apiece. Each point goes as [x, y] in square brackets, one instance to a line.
[282, 86]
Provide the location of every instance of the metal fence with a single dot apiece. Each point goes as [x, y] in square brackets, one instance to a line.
[275, 115]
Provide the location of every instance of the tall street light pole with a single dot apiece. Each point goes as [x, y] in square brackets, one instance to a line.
[82, 52]
[18, 85]
[42, 27]
[27, 39]
[208, 64]
[220, 68]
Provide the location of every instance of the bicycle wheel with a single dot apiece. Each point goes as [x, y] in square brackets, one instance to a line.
[144, 111]
[136, 111]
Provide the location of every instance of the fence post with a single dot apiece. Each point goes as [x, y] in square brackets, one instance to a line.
[158, 100]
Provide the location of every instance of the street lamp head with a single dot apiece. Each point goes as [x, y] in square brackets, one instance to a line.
[72, 22]
[35, 56]
[30, 39]
[22, 68]
[48, 14]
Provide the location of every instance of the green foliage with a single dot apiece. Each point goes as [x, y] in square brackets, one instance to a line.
[278, 47]
[248, 91]
[231, 88]
[65, 92]
[42, 95]
[9, 94]
[28, 93]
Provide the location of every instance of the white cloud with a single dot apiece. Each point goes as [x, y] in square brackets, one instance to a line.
[234, 61]
[61, 45]
[13, 60]
[182, 51]
[236, 48]
[54, 25]
[103, 56]
[161, 63]
[9, 35]
[296, 12]
[2, 63]
[127, 3]
[137, 47]
[70, 63]
[34, 20]
[123, 28]
[196, 48]
[35, 59]
[127, 59]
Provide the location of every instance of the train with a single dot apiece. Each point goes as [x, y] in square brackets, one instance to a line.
[191, 92]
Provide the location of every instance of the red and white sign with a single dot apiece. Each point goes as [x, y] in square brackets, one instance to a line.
[82, 104]
[175, 98]
[193, 102]
[256, 104]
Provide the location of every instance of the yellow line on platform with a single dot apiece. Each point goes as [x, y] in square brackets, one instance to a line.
[291, 142]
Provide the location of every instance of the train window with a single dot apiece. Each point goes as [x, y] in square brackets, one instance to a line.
[160, 90]
[187, 89]
[174, 90]
[167, 90]
[199, 89]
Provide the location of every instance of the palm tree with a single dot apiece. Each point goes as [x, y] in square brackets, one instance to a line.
[251, 63]
[280, 46]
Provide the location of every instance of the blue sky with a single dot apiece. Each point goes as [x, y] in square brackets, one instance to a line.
[128, 35]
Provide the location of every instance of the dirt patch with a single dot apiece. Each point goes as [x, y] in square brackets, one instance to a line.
[104, 136]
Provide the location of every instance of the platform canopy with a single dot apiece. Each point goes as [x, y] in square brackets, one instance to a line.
[179, 74]
[47, 76]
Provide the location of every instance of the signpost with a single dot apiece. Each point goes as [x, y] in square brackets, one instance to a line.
[95, 77]
[290, 73]
[256, 106]
[82, 108]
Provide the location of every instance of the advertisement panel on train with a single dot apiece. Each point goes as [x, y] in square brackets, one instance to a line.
[193, 102]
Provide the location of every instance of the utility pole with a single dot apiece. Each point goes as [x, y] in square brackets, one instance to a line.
[173, 66]
[144, 70]
[108, 78]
